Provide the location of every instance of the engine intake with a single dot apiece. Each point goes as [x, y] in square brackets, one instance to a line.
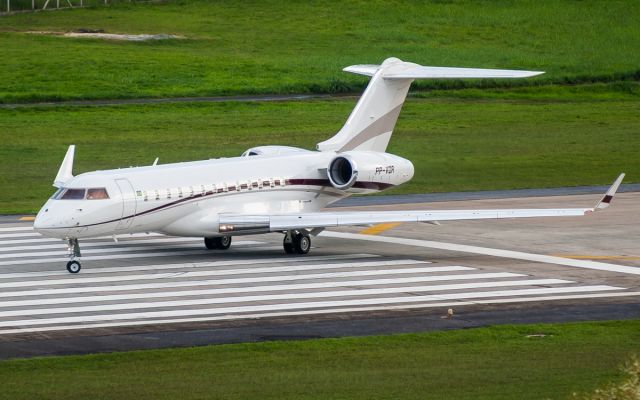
[342, 172]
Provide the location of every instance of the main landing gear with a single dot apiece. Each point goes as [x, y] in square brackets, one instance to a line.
[218, 243]
[73, 247]
[296, 242]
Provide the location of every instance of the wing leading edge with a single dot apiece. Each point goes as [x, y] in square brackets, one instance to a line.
[324, 219]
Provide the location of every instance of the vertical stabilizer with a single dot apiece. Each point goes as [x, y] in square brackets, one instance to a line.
[371, 122]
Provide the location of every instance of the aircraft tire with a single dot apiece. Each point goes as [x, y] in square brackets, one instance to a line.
[288, 248]
[73, 267]
[218, 243]
[302, 243]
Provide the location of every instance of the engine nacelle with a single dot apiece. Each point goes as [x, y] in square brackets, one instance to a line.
[365, 171]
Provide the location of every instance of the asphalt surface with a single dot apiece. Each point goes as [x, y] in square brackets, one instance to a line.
[154, 292]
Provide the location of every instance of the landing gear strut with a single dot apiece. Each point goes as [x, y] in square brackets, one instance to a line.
[296, 242]
[218, 243]
[73, 247]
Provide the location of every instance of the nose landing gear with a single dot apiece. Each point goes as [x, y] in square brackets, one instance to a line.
[73, 247]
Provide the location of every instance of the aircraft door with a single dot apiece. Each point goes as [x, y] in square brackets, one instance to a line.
[128, 197]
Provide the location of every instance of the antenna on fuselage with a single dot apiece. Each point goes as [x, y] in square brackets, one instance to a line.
[155, 162]
[65, 173]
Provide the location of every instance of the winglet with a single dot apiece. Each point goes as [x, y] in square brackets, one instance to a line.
[66, 168]
[606, 199]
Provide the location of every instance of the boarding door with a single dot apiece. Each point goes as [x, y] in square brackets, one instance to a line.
[128, 197]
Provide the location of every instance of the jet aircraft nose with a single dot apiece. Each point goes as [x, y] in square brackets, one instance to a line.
[48, 225]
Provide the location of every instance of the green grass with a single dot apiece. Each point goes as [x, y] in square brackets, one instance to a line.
[523, 140]
[486, 363]
[299, 46]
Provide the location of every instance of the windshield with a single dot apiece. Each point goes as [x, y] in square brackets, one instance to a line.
[80, 194]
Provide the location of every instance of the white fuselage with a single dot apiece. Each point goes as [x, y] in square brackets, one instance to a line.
[187, 199]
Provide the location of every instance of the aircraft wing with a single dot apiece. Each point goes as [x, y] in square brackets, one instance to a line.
[323, 219]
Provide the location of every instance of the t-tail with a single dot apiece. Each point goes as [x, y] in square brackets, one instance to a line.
[371, 122]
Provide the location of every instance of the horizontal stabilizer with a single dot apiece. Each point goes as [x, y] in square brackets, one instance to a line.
[405, 70]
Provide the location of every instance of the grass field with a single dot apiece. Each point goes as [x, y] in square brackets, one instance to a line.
[510, 139]
[299, 46]
[487, 363]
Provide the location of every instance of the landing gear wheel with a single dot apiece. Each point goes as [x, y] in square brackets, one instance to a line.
[73, 267]
[218, 243]
[301, 243]
[288, 247]
[223, 242]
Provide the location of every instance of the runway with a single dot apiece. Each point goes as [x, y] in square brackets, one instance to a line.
[166, 286]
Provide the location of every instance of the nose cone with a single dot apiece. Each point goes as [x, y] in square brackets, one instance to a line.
[46, 224]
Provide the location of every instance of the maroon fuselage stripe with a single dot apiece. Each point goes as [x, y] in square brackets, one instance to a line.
[327, 183]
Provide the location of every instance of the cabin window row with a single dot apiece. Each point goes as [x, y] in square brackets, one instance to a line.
[202, 190]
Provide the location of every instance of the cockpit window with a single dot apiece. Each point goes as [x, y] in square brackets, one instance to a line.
[97, 194]
[57, 194]
[73, 194]
[250, 153]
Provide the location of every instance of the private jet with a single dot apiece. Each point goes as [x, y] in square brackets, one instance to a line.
[268, 188]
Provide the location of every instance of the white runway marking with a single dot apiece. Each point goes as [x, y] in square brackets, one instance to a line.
[240, 285]
[194, 274]
[71, 308]
[120, 248]
[224, 263]
[489, 252]
[123, 243]
[311, 312]
[166, 285]
[17, 229]
[290, 306]
[277, 288]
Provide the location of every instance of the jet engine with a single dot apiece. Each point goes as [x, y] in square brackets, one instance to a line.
[364, 171]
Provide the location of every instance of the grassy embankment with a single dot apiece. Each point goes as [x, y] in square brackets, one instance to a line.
[299, 47]
[487, 363]
[456, 144]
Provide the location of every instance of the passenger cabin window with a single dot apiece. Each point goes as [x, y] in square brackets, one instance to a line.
[97, 194]
[73, 194]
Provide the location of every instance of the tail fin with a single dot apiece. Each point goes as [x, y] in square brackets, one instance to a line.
[371, 122]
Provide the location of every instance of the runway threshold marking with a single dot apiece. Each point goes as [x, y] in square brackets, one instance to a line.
[518, 255]
[180, 284]
[301, 305]
[379, 228]
[73, 307]
[282, 288]
[309, 312]
[324, 275]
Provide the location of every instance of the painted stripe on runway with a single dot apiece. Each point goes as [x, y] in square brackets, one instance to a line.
[63, 246]
[17, 229]
[15, 235]
[71, 309]
[159, 267]
[489, 252]
[253, 289]
[308, 312]
[276, 278]
[118, 249]
[63, 260]
[74, 280]
[297, 306]
[165, 285]
[39, 238]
